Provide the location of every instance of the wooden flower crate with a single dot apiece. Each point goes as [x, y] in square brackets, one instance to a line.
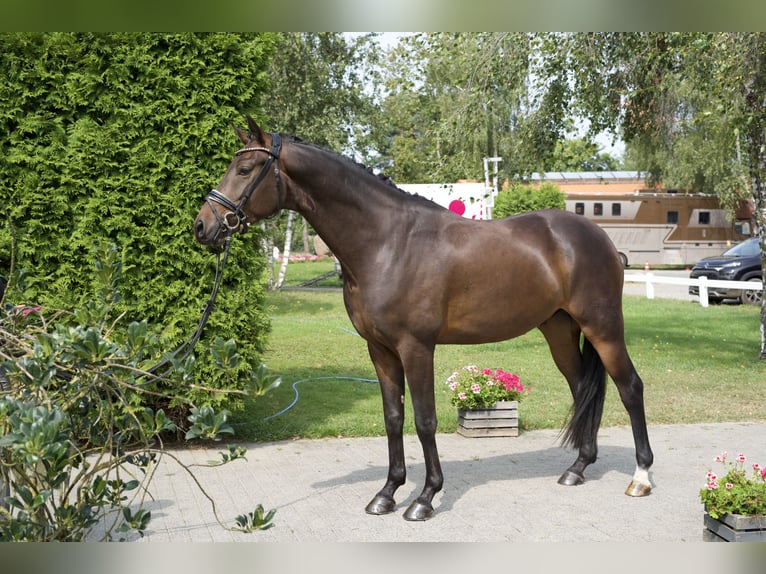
[501, 419]
[734, 528]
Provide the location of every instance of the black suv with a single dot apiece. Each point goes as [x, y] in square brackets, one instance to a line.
[739, 263]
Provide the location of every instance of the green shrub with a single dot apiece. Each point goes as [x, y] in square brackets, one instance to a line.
[115, 139]
[524, 198]
[78, 445]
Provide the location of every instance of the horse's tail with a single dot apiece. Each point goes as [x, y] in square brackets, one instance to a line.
[589, 402]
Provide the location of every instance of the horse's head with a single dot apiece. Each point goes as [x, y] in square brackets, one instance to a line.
[250, 190]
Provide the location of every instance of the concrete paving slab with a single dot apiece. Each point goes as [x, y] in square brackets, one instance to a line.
[496, 489]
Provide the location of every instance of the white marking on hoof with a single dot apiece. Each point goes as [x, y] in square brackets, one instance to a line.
[641, 476]
[641, 485]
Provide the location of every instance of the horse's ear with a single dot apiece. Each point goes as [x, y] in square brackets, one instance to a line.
[255, 131]
[241, 134]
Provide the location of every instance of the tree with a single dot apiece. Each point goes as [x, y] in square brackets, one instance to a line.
[690, 105]
[451, 99]
[580, 155]
[318, 92]
[524, 198]
[748, 63]
[651, 89]
[114, 139]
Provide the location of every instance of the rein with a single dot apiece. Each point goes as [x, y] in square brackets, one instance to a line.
[235, 219]
[185, 349]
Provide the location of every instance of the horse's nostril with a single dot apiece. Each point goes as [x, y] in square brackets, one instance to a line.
[199, 228]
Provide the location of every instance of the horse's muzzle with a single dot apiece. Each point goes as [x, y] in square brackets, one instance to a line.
[209, 235]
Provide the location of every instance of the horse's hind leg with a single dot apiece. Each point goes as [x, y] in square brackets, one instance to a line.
[615, 357]
[391, 376]
[586, 379]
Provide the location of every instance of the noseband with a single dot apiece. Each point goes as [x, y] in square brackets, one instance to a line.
[235, 219]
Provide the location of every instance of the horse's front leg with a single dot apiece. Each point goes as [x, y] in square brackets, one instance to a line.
[391, 376]
[419, 367]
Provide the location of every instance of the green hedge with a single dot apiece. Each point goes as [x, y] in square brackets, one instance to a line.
[523, 198]
[115, 139]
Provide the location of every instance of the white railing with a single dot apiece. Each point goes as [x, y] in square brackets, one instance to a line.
[702, 282]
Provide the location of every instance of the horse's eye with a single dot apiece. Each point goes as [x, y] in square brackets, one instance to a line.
[244, 170]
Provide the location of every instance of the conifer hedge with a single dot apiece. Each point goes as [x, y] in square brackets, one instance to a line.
[115, 139]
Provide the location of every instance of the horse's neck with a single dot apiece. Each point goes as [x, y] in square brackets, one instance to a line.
[351, 209]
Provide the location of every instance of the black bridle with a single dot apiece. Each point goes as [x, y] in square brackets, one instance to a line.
[235, 219]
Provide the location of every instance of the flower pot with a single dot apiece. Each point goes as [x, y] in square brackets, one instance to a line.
[501, 419]
[734, 528]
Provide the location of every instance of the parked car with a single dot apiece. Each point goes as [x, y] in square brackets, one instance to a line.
[742, 262]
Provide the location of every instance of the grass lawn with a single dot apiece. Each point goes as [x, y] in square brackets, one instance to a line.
[698, 365]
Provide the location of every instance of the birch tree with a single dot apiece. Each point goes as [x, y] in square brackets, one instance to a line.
[322, 91]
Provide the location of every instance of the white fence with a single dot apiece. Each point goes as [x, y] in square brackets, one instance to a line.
[702, 282]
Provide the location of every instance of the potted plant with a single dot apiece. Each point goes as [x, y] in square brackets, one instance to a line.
[735, 504]
[487, 401]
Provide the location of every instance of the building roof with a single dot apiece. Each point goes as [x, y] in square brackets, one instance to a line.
[565, 177]
[593, 182]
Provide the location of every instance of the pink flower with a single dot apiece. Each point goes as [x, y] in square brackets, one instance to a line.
[712, 485]
[509, 380]
[741, 457]
[729, 486]
[756, 466]
[511, 386]
[481, 383]
[27, 310]
[763, 473]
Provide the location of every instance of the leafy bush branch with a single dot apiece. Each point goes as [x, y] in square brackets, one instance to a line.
[81, 435]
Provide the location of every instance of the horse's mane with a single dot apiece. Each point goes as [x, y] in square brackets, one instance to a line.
[383, 178]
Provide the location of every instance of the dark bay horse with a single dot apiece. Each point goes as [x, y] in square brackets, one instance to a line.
[416, 275]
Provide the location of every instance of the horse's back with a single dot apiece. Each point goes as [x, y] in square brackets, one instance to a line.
[573, 242]
[547, 250]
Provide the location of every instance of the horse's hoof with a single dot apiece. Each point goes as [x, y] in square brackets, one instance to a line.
[380, 505]
[419, 511]
[638, 489]
[570, 478]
